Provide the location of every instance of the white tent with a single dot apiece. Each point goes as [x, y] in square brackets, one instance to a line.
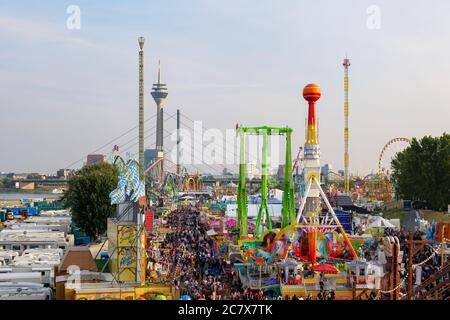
[379, 222]
[232, 185]
[396, 223]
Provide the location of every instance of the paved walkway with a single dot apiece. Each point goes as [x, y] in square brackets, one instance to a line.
[410, 220]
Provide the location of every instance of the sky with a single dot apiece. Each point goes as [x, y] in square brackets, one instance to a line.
[66, 92]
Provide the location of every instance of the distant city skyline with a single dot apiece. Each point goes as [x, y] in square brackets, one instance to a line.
[66, 92]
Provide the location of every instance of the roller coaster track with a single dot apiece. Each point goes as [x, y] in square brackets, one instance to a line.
[336, 175]
[439, 282]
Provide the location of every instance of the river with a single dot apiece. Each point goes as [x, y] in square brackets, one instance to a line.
[22, 195]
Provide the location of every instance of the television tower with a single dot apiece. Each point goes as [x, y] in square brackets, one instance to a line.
[346, 64]
[159, 94]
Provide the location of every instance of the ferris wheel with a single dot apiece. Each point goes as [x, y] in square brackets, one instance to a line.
[388, 152]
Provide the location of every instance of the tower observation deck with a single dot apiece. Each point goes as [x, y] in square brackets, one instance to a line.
[159, 94]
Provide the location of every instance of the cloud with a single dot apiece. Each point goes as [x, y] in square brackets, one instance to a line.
[31, 32]
[223, 63]
[218, 86]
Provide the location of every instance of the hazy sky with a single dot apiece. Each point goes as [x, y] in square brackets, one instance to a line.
[64, 93]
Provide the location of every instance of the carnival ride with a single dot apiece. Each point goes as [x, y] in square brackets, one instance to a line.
[310, 222]
[297, 168]
[130, 187]
[288, 211]
[173, 180]
[378, 186]
[311, 235]
[384, 162]
[230, 189]
[374, 187]
[182, 182]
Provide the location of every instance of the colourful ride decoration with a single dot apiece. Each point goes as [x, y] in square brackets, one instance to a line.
[121, 292]
[260, 256]
[174, 180]
[130, 187]
[170, 185]
[122, 249]
[375, 187]
[303, 242]
[190, 183]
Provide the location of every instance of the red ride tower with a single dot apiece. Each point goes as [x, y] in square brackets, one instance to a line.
[311, 93]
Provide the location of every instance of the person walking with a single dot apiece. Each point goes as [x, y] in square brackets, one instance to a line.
[322, 282]
[332, 295]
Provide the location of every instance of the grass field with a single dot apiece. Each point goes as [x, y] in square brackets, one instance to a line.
[436, 216]
[392, 210]
[394, 214]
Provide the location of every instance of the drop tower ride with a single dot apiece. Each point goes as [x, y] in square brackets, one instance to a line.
[311, 93]
[310, 210]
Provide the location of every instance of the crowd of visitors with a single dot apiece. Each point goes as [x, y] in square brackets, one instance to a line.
[426, 259]
[189, 253]
[196, 268]
[422, 258]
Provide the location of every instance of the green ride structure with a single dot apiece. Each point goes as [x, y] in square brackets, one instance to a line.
[288, 212]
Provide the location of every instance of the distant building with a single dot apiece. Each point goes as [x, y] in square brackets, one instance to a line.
[252, 170]
[18, 176]
[326, 168]
[325, 171]
[225, 172]
[149, 156]
[95, 158]
[25, 185]
[63, 173]
[280, 172]
[275, 210]
[36, 176]
[341, 172]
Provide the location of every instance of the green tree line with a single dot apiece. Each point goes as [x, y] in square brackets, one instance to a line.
[421, 172]
[87, 196]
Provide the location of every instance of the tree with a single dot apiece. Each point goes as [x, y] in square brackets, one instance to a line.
[273, 183]
[7, 183]
[35, 176]
[421, 172]
[88, 197]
